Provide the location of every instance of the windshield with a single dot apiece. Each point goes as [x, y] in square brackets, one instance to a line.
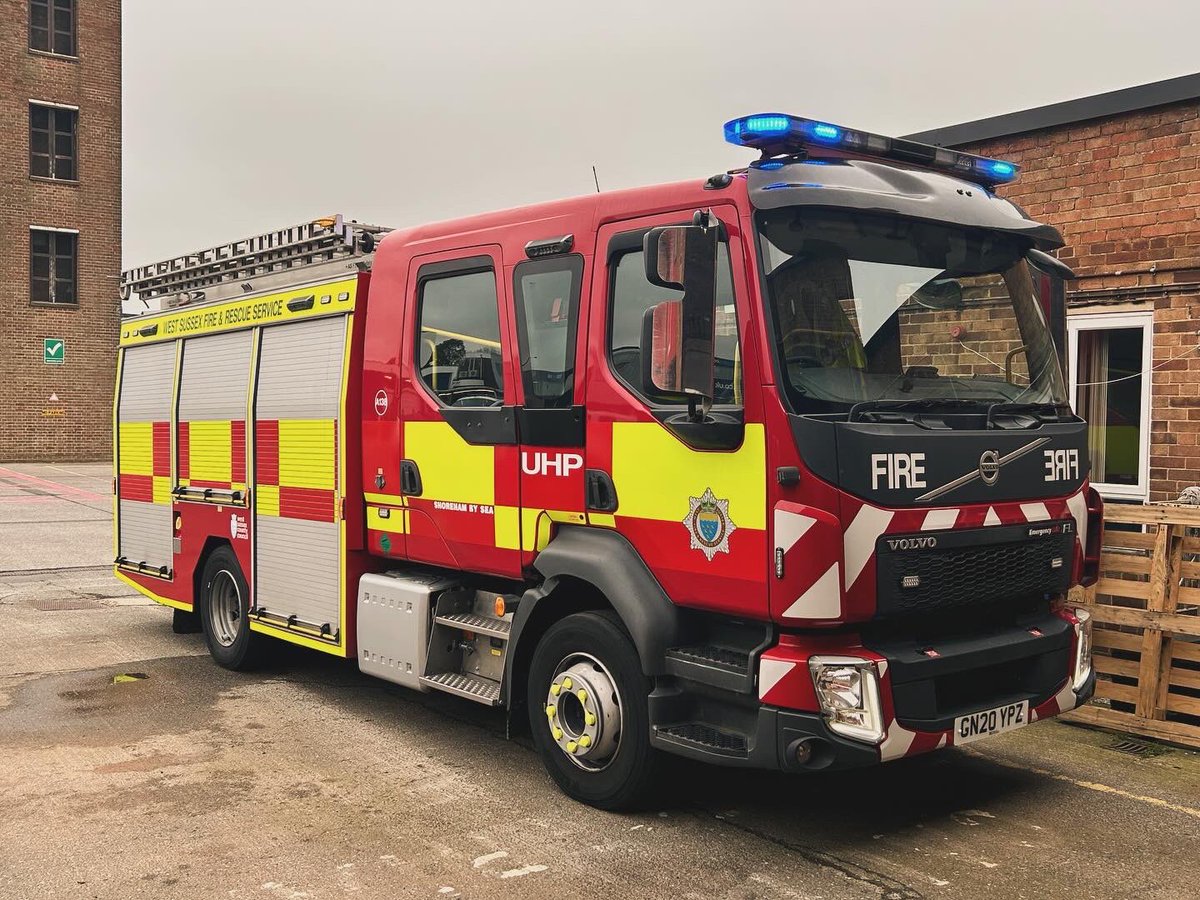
[877, 308]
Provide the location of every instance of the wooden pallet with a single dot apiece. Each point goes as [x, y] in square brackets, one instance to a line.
[1147, 625]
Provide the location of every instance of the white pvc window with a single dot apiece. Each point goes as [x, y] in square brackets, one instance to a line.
[1110, 356]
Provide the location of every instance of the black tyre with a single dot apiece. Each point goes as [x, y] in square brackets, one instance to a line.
[587, 709]
[183, 622]
[224, 604]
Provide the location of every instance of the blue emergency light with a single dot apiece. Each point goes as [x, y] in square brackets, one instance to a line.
[776, 134]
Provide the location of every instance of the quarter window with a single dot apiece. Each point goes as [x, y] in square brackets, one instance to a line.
[633, 300]
[52, 145]
[53, 266]
[52, 26]
[547, 298]
[458, 338]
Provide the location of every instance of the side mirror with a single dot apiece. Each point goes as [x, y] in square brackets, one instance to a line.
[684, 257]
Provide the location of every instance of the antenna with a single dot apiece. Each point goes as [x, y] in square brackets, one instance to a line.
[596, 178]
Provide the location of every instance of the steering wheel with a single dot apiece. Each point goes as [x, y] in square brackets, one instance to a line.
[472, 402]
[826, 356]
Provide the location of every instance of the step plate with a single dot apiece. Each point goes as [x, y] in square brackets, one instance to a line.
[488, 625]
[481, 690]
[718, 657]
[705, 737]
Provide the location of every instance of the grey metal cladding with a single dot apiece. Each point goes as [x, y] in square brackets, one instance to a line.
[300, 369]
[147, 383]
[297, 568]
[145, 532]
[215, 376]
[877, 187]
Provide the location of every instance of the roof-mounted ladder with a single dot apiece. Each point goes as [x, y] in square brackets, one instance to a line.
[271, 260]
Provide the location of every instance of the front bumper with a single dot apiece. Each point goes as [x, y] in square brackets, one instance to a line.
[922, 695]
[778, 735]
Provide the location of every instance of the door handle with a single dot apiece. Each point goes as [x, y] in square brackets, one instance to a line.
[410, 478]
[601, 492]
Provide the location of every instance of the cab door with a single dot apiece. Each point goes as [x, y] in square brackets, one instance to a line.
[460, 471]
[691, 498]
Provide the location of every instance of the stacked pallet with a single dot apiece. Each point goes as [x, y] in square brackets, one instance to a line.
[1147, 625]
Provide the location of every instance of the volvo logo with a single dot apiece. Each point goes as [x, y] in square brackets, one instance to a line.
[988, 470]
[912, 543]
[989, 466]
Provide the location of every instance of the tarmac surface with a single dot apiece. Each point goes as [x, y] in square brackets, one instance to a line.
[308, 780]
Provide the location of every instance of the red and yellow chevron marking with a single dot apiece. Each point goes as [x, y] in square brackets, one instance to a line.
[144, 450]
[212, 454]
[296, 468]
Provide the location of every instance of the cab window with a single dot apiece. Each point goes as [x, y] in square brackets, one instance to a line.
[633, 299]
[547, 300]
[458, 338]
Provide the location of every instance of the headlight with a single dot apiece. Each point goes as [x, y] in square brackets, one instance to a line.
[1083, 646]
[848, 690]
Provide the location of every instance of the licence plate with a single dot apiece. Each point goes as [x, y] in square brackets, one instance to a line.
[979, 725]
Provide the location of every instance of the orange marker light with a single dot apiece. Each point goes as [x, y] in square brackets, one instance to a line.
[500, 609]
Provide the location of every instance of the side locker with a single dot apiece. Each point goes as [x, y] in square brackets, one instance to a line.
[144, 530]
[211, 430]
[297, 406]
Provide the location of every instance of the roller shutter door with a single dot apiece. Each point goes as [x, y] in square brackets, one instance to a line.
[297, 424]
[211, 440]
[144, 455]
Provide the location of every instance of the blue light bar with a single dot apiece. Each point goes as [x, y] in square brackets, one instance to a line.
[744, 130]
[1001, 169]
[777, 134]
[824, 132]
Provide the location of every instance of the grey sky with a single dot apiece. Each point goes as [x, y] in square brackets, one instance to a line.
[245, 115]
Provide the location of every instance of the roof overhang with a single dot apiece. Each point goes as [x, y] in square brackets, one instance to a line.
[886, 189]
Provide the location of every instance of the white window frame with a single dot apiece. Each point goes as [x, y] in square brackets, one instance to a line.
[1103, 321]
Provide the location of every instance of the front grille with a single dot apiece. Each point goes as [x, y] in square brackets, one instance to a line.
[983, 567]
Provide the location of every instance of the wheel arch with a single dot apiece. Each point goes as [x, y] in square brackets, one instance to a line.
[590, 569]
[211, 545]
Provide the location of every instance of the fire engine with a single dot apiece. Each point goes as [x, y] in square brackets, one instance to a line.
[770, 469]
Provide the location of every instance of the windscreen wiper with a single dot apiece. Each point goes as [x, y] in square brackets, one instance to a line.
[1041, 411]
[866, 407]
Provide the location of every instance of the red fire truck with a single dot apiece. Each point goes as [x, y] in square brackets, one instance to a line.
[774, 468]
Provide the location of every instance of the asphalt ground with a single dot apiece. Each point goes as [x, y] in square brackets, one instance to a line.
[308, 780]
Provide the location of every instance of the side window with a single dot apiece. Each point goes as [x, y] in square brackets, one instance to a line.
[458, 338]
[547, 300]
[633, 299]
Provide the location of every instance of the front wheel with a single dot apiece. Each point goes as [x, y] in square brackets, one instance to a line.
[224, 612]
[587, 708]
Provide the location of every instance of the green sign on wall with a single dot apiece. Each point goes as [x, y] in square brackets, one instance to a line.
[54, 351]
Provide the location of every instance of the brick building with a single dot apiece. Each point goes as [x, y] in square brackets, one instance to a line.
[60, 226]
[1119, 175]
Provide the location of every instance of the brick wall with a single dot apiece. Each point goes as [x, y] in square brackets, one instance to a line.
[78, 426]
[1125, 192]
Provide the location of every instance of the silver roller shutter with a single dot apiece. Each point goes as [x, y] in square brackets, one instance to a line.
[298, 563]
[300, 370]
[147, 386]
[216, 373]
[147, 383]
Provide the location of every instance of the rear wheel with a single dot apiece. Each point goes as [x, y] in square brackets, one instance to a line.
[224, 607]
[587, 708]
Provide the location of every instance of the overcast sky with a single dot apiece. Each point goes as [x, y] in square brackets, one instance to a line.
[246, 115]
